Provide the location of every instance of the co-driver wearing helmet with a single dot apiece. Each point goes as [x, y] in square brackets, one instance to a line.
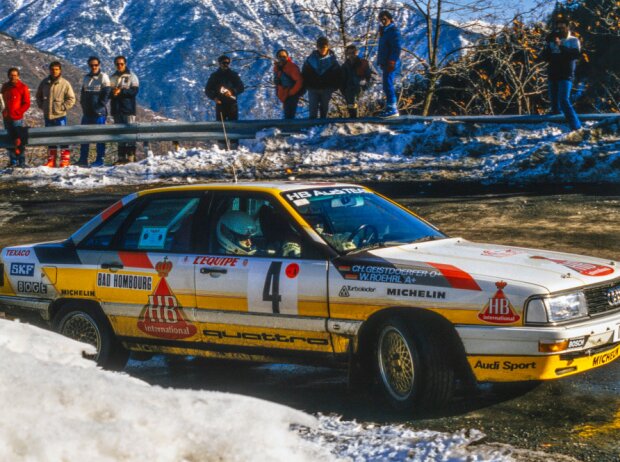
[235, 231]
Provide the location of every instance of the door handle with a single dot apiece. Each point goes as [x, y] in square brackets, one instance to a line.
[115, 266]
[213, 271]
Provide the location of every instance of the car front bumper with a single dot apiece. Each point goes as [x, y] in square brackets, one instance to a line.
[507, 354]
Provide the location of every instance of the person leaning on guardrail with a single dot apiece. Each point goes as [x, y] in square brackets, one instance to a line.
[55, 97]
[125, 87]
[94, 98]
[15, 101]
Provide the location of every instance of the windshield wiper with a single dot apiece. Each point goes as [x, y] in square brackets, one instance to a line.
[375, 245]
[426, 239]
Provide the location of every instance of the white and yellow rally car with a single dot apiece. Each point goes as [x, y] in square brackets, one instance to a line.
[317, 272]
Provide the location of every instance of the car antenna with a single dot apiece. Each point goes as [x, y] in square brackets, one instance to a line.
[228, 145]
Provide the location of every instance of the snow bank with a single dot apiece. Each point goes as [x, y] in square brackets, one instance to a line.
[434, 151]
[58, 406]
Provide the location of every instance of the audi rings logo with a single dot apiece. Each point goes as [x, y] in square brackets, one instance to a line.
[613, 296]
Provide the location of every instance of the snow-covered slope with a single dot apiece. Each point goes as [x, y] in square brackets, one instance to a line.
[419, 152]
[173, 46]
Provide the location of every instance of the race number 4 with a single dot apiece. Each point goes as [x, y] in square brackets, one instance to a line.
[270, 289]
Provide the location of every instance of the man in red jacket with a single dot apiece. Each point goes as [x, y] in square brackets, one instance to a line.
[16, 96]
[289, 83]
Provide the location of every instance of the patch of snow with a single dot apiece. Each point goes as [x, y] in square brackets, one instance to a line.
[432, 151]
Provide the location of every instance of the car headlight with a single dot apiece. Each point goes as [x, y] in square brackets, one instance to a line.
[556, 309]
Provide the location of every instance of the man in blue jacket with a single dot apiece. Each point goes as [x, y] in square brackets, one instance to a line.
[125, 87]
[322, 75]
[94, 98]
[562, 52]
[388, 57]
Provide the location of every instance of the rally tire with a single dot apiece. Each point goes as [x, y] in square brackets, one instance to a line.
[412, 365]
[89, 325]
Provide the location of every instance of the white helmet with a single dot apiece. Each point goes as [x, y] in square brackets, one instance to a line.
[234, 232]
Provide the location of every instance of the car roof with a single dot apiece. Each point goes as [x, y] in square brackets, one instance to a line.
[272, 186]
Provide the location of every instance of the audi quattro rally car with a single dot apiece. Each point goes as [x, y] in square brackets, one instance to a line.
[317, 272]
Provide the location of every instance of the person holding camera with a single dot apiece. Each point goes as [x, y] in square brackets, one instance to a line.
[562, 52]
[223, 87]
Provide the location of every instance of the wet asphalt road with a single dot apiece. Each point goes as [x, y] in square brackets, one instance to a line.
[578, 416]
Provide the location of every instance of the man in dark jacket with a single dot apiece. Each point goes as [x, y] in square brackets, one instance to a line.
[388, 57]
[223, 87]
[357, 74]
[94, 98]
[322, 75]
[125, 86]
[562, 52]
[289, 83]
[16, 97]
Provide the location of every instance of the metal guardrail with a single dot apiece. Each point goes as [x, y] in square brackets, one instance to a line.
[204, 131]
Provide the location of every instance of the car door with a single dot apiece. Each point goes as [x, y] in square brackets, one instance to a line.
[145, 282]
[265, 297]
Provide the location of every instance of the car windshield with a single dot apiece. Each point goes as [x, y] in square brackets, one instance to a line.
[352, 218]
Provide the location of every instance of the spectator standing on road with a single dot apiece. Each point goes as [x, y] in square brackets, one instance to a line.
[94, 98]
[223, 87]
[125, 86]
[55, 97]
[357, 74]
[289, 83]
[322, 75]
[15, 96]
[388, 57]
[562, 52]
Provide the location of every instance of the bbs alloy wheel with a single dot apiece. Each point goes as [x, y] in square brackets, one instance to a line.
[83, 328]
[413, 363]
[87, 323]
[396, 363]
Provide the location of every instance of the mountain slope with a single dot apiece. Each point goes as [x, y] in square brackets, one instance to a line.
[173, 46]
[33, 65]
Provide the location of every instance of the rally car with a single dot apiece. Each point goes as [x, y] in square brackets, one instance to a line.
[329, 273]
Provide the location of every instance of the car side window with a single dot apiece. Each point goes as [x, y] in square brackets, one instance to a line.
[163, 224]
[103, 236]
[252, 225]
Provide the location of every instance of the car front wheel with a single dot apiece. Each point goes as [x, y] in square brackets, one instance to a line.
[88, 325]
[412, 365]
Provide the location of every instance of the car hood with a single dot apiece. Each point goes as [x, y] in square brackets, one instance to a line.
[553, 271]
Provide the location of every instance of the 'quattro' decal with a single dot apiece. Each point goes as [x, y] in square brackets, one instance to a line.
[587, 269]
[22, 269]
[162, 316]
[499, 310]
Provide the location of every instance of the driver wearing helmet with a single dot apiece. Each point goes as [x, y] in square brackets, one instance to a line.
[235, 230]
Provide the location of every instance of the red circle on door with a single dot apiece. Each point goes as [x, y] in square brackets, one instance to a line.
[292, 270]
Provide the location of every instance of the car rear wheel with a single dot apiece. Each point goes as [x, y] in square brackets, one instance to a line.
[89, 325]
[412, 365]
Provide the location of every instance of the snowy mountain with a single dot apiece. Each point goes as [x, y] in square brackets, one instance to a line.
[173, 46]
